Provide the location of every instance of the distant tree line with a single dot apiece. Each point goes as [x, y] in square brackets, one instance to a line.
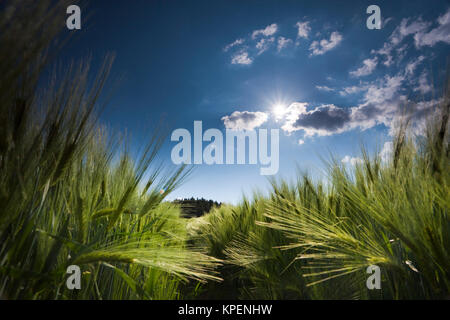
[195, 207]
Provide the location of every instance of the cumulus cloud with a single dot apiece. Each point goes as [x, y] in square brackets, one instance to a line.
[291, 114]
[264, 44]
[241, 58]
[405, 29]
[351, 160]
[237, 42]
[244, 120]
[324, 88]
[351, 90]
[411, 66]
[385, 104]
[367, 68]
[283, 43]
[323, 120]
[420, 30]
[401, 52]
[324, 45]
[385, 90]
[266, 32]
[381, 104]
[246, 53]
[303, 29]
[386, 152]
[438, 34]
[386, 51]
[423, 85]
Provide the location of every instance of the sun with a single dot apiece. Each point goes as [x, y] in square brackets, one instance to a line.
[279, 110]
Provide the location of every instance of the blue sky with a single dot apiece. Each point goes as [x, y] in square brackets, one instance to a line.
[230, 63]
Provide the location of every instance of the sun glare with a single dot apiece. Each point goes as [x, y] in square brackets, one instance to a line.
[279, 110]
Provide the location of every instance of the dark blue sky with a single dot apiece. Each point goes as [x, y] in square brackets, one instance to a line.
[337, 82]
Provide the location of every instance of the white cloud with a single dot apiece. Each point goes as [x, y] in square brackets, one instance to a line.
[351, 160]
[438, 34]
[323, 120]
[301, 141]
[385, 104]
[406, 29]
[244, 120]
[386, 152]
[420, 30]
[352, 90]
[264, 44]
[324, 88]
[398, 35]
[319, 48]
[386, 51]
[233, 44]
[283, 43]
[423, 85]
[367, 68]
[386, 90]
[241, 58]
[266, 32]
[401, 52]
[291, 115]
[411, 67]
[303, 29]
[382, 103]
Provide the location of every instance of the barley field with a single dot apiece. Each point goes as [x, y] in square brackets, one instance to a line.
[72, 194]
